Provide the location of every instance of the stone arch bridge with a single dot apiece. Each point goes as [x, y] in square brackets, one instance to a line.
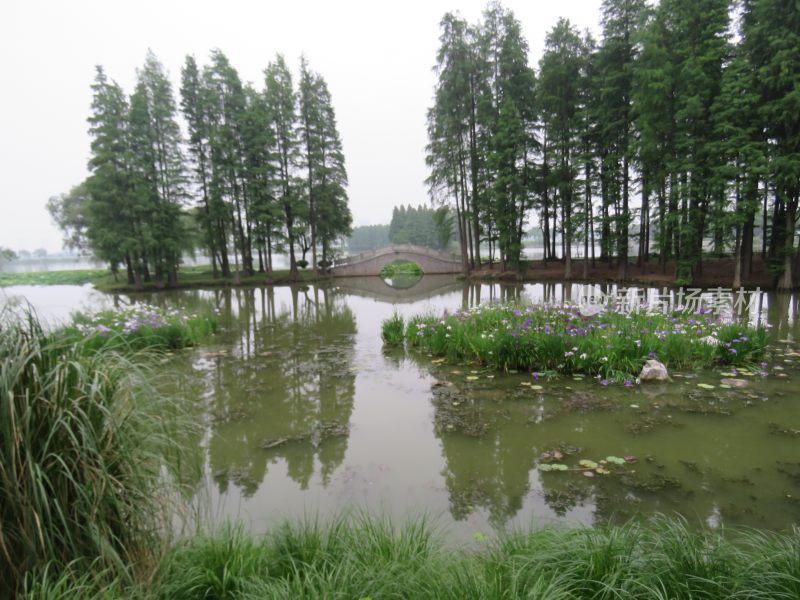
[371, 262]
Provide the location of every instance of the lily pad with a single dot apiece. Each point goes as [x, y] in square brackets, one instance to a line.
[588, 473]
[630, 459]
[706, 386]
[472, 377]
[537, 387]
[587, 464]
[553, 467]
[615, 460]
[602, 471]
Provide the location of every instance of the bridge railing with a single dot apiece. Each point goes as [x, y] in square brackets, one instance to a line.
[394, 249]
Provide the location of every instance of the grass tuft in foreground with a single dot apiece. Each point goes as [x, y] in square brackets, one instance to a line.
[82, 445]
[606, 344]
[366, 557]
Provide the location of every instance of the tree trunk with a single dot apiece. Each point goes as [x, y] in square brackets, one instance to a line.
[786, 281]
[644, 248]
[623, 237]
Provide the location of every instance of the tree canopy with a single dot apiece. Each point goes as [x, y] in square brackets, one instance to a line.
[259, 171]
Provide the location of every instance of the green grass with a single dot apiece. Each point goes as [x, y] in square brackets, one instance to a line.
[611, 346]
[83, 444]
[202, 277]
[401, 268]
[77, 277]
[188, 277]
[366, 557]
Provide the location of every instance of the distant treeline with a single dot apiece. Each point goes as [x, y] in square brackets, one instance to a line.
[368, 237]
[261, 171]
[422, 226]
[678, 130]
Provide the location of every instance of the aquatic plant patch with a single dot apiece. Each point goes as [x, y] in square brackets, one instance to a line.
[143, 326]
[393, 330]
[551, 340]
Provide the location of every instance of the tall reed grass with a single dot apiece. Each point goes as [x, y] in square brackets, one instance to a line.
[83, 441]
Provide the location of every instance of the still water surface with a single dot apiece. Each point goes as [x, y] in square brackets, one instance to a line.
[305, 413]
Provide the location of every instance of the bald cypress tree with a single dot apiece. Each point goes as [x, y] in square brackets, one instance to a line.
[160, 176]
[622, 21]
[282, 108]
[194, 105]
[113, 208]
[771, 36]
[560, 97]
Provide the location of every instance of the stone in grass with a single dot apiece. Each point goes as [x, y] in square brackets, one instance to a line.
[653, 370]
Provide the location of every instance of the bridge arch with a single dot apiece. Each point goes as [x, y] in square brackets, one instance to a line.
[371, 262]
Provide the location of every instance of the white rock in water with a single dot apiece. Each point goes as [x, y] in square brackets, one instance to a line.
[734, 383]
[654, 371]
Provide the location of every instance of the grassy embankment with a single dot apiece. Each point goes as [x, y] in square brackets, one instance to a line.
[366, 558]
[555, 340]
[188, 277]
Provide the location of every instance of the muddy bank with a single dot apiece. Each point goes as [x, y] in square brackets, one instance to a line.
[717, 272]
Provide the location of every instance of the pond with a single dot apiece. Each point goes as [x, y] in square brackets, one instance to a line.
[306, 413]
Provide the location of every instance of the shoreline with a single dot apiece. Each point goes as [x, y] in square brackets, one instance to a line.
[717, 273]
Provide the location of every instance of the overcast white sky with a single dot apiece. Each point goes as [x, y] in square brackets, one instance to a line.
[376, 57]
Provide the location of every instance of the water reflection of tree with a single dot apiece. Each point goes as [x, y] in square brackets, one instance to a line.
[288, 370]
[489, 473]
